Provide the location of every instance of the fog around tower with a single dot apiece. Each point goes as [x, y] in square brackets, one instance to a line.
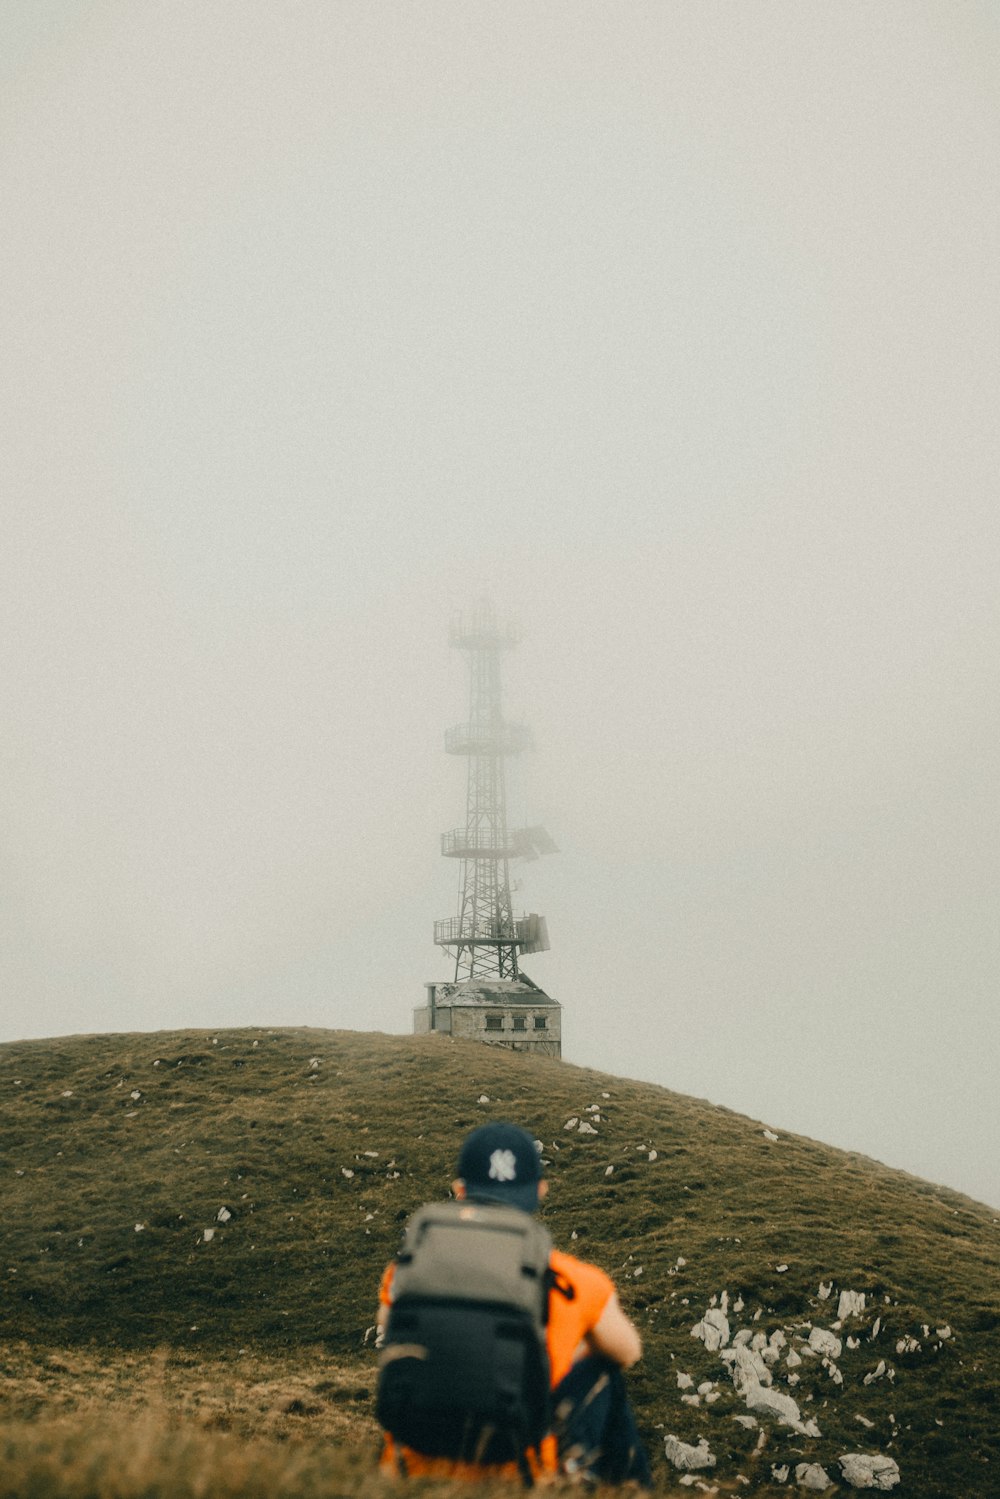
[673, 328]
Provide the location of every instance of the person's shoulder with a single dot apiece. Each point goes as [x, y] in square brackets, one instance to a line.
[580, 1274]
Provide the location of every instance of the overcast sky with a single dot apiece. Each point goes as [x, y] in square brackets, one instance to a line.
[673, 327]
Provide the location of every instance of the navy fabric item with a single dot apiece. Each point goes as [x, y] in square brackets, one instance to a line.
[595, 1427]
[499, 1163]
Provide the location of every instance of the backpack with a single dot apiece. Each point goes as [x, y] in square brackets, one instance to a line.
[464, 1370]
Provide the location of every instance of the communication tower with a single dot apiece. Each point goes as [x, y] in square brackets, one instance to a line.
[485, 936]
[490, 997]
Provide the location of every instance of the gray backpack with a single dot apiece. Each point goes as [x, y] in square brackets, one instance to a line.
[464, 1372]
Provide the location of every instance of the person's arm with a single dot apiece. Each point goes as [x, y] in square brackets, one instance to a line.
[615, 1336]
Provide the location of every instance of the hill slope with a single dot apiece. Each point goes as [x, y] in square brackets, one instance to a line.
[205, 1191]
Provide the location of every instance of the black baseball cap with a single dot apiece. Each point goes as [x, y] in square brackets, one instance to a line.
[499, 1163]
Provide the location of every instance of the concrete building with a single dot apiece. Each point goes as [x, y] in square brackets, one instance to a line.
[513, 1013]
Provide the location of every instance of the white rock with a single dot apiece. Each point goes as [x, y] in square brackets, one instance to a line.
[758, 1342]
[685, 1382]
[685, 1457]
[691, 1399]
[346, 1172]
[780, 1472]
[483, 1098]
[851, 1304]
[605, 1095]
[780, 1269]
[313, 1064]
[743, 1337]
[773, 1403]
[652, 1155]
[812, 1476]
[876, 1373]
[907, 1345]
[793, 1379]
[864, 1420]
[746, 1368]
[681, 1262]
[853, 1343]
[705, 1386]
[609, 1170]
[140, 1228]
[738, 1304]
[592, 1108]
[67, 1093]
[777, 1340]
[750, 1422]
[711, 1397]
[207, 1235]
[825, 1290]
[769, 1134]
[713, 1330]
[833, 1371]
[135, 1094]
[583, 1128]
[223, 1215]
[863, 1470]
[571, 1123]
[826, 1344]
[944, 1333]
[875, 1328]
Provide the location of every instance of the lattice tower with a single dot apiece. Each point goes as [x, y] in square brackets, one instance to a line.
[485, 935]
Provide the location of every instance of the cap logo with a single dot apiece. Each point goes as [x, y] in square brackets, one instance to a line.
[503, 1166]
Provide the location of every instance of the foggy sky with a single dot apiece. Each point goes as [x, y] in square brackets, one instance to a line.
[673, 327]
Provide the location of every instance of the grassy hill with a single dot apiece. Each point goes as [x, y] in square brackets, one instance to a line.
[206, 1215]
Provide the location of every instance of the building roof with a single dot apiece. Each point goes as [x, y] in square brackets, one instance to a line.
[492, 992]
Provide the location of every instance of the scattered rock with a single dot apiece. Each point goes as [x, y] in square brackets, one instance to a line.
[907, 1344]
[583, 1128]
[864, 1470]
[826, 1344]
[685, 1382]
[346, 1171]
[812, 1476]
[483, 1098]
[825, 1290]
[609, 1170]
[207, 1235]
[770, 1135]
[851, 1304]
[223, 1215]
[780, 1269]
[780, 1472]
[571, 1123]
[877, 1373]
[944, 1333]
[713, 1330]
[749, 1422]
[652, 1155]
[685, 1457]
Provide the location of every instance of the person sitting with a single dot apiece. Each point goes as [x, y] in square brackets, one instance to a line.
[589, 1340]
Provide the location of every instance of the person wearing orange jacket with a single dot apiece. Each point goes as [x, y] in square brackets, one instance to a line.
[590, 1340]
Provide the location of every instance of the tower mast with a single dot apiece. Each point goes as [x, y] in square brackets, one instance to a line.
[485, 936]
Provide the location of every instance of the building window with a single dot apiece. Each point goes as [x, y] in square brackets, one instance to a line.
[539, 1022]
[494, 1022]
[520, 1022]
